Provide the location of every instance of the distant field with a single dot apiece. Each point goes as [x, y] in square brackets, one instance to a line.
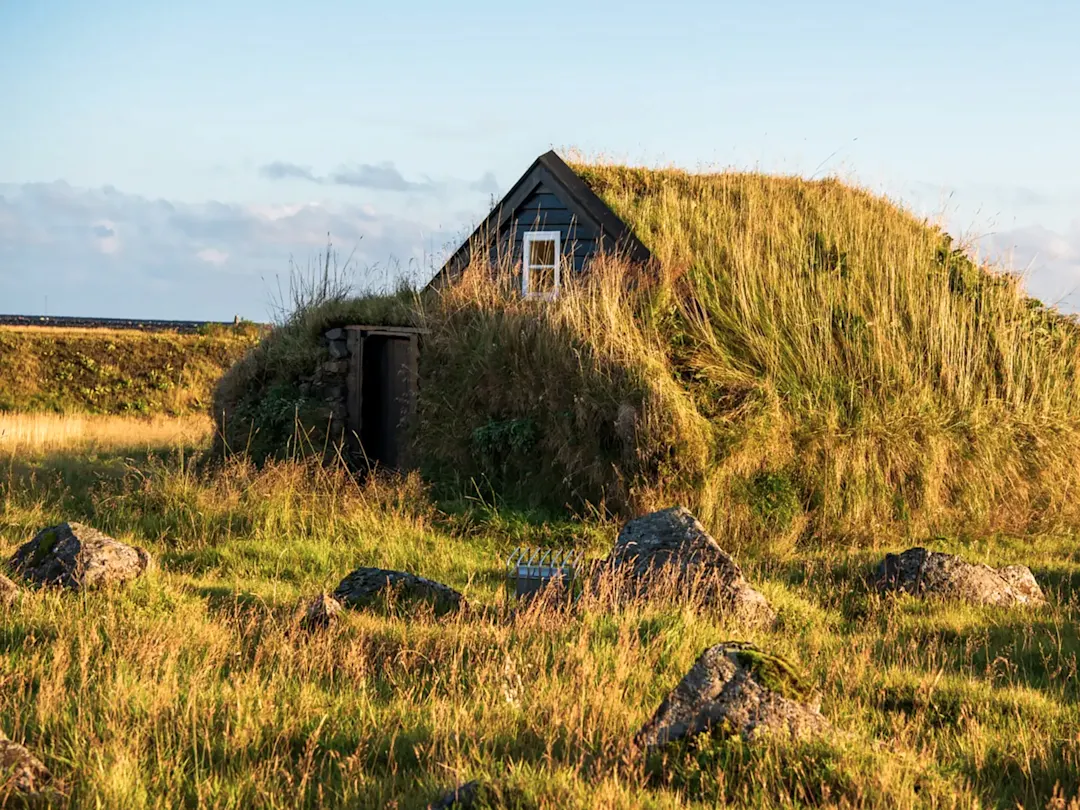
[49, 432]
[98, 370]
[142, 325]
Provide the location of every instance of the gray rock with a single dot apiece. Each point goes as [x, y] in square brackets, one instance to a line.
[23, 777]
[335, 367]
[9, 591]
[1022, 581]
[735, 688]
[72, 555]
[672, 547]
[926, 573]
[463, 796]
[334, 334]
[333, 393]
[323, 610]
[366, 585]
[339, 349]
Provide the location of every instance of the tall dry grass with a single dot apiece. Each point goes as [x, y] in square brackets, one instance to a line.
[805, 362]
[31, 433]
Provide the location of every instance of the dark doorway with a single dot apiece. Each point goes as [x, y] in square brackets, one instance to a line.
[382, 394]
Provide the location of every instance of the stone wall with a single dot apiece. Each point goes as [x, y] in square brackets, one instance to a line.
[328, 387]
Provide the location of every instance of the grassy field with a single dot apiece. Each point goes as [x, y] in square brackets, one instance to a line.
[193, 688]
[108, 371]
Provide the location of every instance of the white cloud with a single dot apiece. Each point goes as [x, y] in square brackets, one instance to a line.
[105, 236]
[212, 256]
[1049, 261]
[104, 252]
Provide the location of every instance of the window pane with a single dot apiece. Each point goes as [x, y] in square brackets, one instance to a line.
[541, 280]
[542, 252]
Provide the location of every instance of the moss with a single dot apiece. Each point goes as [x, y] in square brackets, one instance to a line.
[46, 543]
[773, 672]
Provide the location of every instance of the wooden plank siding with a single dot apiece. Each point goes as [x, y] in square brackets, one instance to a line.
[545, 211]
[549, 196]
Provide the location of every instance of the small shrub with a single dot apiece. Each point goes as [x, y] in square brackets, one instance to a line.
[774, 499]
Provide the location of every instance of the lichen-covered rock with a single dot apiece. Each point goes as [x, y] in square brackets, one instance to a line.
[72, 555]
[932, 573]
[366, 585]
[1022, 581]
[671, 547]
[736, 688]
[322, 612]
[9, 591]
[24, 779]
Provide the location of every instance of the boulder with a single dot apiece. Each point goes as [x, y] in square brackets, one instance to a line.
[75, 556]
[671, 545]
[934, 574]
[23, 777]
[322, 612]
[463, 796]
[735, 688]
[366, 585]
[9, 591]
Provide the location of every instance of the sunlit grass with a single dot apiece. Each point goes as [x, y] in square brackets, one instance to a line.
[194, 687]
[45, 432]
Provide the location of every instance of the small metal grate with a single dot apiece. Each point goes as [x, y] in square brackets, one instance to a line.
[531, 569]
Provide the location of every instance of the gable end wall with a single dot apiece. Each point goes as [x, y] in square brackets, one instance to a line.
[544, 211]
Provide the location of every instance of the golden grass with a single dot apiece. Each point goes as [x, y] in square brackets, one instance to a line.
[806, 361]
[45, 432]
[194, 688]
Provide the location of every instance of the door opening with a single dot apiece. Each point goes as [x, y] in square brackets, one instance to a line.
[382, 396]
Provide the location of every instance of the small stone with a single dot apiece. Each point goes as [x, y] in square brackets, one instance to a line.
[71, 555]
[924, 573]
[672, 547]
[22, 775]
[322, 612]
[365, 585]
[334, 334]
[335, 366]
[339, 350]
[9, 591]
[736, 688]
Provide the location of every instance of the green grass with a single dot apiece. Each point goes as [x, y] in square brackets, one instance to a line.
[110, 371]
[193, 686]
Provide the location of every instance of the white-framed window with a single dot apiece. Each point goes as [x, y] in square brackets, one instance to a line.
[540, 271]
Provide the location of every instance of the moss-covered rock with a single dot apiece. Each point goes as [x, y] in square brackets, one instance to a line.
[735, 688]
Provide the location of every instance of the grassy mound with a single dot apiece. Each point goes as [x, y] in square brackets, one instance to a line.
[107, 371]
[261, 405]
[805, 360]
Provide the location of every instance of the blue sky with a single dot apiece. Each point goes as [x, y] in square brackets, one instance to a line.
[160, 160]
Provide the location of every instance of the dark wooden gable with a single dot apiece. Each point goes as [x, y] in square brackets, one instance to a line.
[548, 197]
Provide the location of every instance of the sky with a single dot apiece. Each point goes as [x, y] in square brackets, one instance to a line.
[174, 160]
